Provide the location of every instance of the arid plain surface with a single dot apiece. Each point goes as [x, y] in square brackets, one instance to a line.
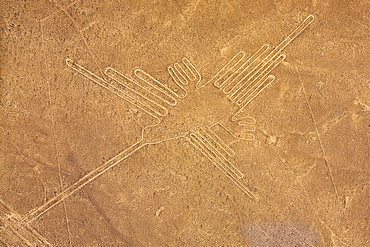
[291, 170]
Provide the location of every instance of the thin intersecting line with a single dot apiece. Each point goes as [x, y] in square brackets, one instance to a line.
[52, 108]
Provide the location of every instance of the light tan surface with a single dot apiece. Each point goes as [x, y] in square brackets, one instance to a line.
[86, 161]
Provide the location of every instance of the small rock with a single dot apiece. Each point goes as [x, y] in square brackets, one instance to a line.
[159, 211]
[272, 140]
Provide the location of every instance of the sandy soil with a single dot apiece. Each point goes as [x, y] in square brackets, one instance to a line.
[130, 156]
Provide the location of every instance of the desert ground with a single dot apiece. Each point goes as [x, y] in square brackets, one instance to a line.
[185, 123]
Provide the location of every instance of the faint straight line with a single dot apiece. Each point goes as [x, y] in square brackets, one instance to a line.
[318, 136]
[52, 108]
[80, 33]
